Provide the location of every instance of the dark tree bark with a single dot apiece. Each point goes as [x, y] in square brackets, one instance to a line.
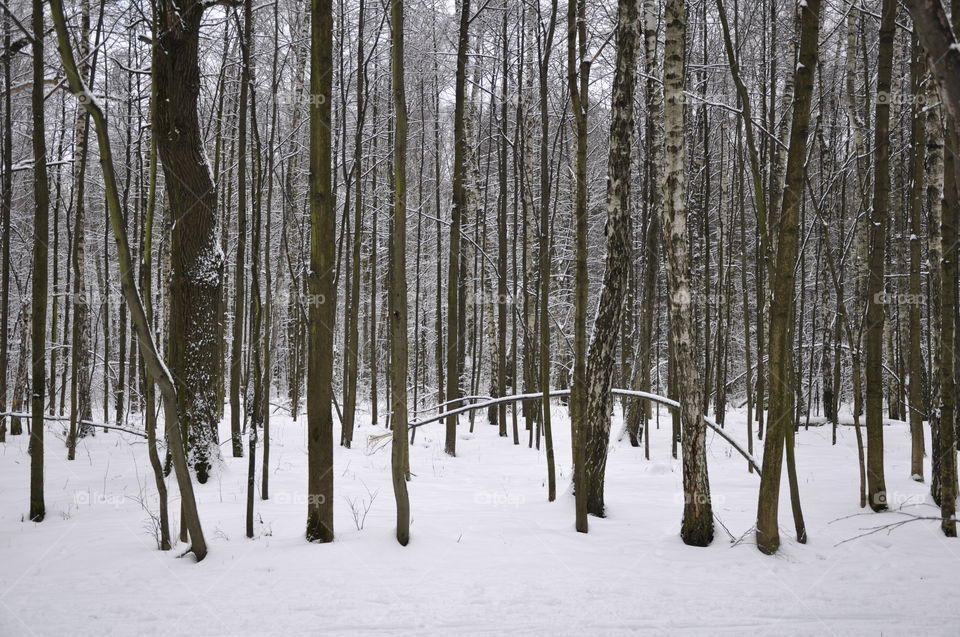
[352, 334]
[876, 484]
[131, 294]
[38, 305]
[545, 269]
[322, 305]
[460, 153]
[6, 200]
[195, 257]
[782, 409]
[240, 273]
[918, 142]
[398, 281]
[578, 81]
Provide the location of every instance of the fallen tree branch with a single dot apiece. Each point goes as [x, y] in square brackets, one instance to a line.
[555, 393]
[889, 527]
[19, 414]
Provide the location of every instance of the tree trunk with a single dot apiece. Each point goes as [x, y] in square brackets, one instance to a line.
[6, 202]
[153, 361]
[398, 280]
[322, 306]
[544, 243]
[918, 140]
[80, 408]
[460, 151]
[596, 418]
[195, 256]
[876, 485]
[697, 527]
[38, 305]
[782, 409]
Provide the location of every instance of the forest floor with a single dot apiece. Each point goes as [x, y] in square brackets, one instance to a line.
[488, 554]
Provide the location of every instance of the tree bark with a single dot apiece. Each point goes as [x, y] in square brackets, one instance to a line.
[876, 484]
[322, 306]
[782, 409]
[607, 324]
[460, 151]
[195, 256]
[697, 526]
[38, 305]
[398, 280]
[152, 359]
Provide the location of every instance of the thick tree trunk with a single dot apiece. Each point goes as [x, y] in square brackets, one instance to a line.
[943, 57]
[154, 363]
[195, 256]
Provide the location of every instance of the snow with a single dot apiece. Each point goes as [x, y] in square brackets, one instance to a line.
[487, 554]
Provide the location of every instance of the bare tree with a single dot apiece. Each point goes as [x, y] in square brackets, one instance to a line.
[322, 305]
[398, 280]
[782, 411]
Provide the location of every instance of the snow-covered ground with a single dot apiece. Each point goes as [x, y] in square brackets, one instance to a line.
[488, 553]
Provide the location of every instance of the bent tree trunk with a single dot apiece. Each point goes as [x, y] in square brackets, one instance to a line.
[155, 366]
[606, 327]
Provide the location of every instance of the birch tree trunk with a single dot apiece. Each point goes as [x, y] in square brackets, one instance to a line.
[80, 408]
[697, 526]
[606, 327]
